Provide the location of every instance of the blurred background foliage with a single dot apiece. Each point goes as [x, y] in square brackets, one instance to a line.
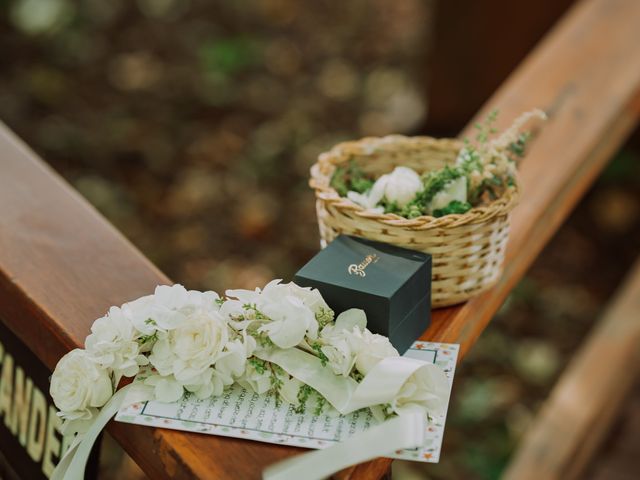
[192, 124]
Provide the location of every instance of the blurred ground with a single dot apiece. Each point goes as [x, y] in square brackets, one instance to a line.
[192, 125]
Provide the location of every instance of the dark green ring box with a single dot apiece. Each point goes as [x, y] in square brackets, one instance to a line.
[391, 284]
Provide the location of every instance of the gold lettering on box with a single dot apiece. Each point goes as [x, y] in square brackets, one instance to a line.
[358, 269]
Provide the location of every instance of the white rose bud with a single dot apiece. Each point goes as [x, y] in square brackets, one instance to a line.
[78, 384]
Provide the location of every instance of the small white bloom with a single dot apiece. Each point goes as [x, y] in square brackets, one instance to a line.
[210, 383]
[112, 343]
[166, 388]
[284, 304]
[79, 384]
[206, 300]
[402, 186]
[311, 297]
[453, 190]
[340, 357]
[427, 389]
[290, 321]
[259, 382]
[232, 362]
[347, 321]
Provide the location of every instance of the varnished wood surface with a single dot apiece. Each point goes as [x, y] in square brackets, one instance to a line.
[62, 264]
[585, 401]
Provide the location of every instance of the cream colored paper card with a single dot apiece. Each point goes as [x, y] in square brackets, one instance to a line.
[241, 413]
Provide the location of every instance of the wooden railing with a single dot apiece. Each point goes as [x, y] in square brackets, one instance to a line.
[62, 264]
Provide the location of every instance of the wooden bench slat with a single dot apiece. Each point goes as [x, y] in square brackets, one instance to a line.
[574, 419]
[62, 264]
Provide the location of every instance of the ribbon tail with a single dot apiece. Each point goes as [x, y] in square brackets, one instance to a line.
[405, 431]
[73, 463]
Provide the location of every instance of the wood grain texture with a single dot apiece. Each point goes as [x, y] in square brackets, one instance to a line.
[62, 264]
[584, 402]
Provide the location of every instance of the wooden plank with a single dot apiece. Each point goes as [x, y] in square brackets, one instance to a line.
[585, 401]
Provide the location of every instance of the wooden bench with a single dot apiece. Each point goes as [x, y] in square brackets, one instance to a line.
[62, 264]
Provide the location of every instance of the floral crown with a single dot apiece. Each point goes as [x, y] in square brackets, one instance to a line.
[282, 339]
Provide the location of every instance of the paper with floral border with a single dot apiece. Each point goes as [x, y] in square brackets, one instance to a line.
[241, 413]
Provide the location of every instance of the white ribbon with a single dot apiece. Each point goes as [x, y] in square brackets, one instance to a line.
[73, 463]
[405, 431]
[380, 386]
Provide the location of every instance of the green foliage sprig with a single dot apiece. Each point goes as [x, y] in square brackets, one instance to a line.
[350, 177]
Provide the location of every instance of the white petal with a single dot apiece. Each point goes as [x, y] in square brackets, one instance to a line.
[168, 390]
[347, 320]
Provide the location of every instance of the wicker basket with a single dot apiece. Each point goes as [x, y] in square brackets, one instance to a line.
[467, 249]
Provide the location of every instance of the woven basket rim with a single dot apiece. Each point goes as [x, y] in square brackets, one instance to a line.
[322, 170]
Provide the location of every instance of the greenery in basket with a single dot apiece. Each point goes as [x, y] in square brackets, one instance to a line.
[483, 170]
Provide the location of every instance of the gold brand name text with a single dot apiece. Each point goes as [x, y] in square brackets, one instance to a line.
[359, 268]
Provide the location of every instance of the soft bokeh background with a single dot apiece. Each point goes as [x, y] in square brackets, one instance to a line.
[192, 125]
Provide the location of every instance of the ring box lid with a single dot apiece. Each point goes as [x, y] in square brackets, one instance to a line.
[385, 280]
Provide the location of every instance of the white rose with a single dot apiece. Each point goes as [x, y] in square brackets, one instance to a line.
[453, 190]
[402, 185]
[427, 390]
[369, 348]
[78, 384]
[399, 186]
[112, 343]
[192, 347]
